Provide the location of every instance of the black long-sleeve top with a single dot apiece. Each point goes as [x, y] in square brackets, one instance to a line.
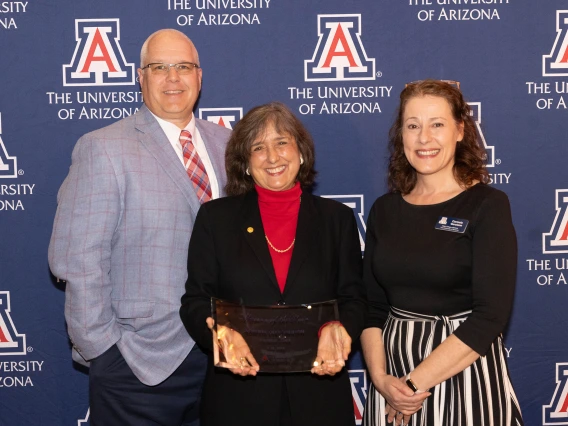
[411, 265]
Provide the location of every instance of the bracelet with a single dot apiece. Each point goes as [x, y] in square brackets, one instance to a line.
[327, 323]
[411, 384]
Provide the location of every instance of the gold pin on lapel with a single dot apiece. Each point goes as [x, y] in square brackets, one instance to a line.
[250, 229]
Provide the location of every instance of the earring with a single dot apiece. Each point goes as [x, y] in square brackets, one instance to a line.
[247, 171]
[301, 160]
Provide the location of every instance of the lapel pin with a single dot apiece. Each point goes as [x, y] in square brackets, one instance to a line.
[250, 229]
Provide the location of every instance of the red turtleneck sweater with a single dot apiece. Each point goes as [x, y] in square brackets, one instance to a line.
[279, 213]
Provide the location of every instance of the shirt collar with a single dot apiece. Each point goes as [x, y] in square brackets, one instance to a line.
[172, 130]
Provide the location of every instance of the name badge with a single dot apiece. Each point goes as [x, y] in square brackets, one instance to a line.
[451, 224]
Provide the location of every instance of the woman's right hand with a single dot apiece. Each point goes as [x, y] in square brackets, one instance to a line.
[400, 398]
[237, 353]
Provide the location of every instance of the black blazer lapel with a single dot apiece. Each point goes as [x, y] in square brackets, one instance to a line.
[307, 233]
[253, 231]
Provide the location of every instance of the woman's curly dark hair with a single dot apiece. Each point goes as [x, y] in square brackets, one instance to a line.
[470, 156]
[253, 125]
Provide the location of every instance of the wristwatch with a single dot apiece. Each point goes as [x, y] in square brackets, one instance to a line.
[411, 385]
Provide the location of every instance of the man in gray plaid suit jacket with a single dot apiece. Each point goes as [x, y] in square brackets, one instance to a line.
[120, 238]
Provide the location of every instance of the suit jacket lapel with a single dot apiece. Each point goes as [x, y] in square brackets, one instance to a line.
[153, 138]
[306, 235]
[250, 218]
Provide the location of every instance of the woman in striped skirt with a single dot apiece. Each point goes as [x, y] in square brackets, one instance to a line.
[440, 266]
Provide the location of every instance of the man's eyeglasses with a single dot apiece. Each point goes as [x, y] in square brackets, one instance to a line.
[183, 68]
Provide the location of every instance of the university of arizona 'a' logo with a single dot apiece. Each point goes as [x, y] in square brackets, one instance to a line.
[359, 390]
[556, 413]
[11, 343]
[489, 150]
[85, 421]
[556, 241]
[339, 54]
[356, 203]
[226, 117]
[8, 165]
[98, 59]
[556, 63]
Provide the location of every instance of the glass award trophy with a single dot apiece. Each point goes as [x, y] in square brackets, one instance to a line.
[282, 338]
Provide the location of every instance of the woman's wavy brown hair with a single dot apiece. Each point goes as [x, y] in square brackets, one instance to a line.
[469, 158]
[252, 126]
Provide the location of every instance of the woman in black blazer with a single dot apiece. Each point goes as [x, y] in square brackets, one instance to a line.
[272, 242]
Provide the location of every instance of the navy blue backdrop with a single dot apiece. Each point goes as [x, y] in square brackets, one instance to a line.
[69, 66]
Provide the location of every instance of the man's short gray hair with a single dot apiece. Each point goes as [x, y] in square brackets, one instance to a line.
[144, 50]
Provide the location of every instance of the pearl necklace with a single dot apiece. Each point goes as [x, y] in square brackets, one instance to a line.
[275, 249]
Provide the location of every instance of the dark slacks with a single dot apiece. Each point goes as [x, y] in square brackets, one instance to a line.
[285, 413]
[118, 398]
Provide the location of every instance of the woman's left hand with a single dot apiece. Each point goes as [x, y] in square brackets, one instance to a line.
[334, 347]
[403, 417]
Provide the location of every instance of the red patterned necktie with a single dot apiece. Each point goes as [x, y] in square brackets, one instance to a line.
[195, 168]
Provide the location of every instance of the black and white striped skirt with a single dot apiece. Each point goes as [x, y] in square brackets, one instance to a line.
[481, 395]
